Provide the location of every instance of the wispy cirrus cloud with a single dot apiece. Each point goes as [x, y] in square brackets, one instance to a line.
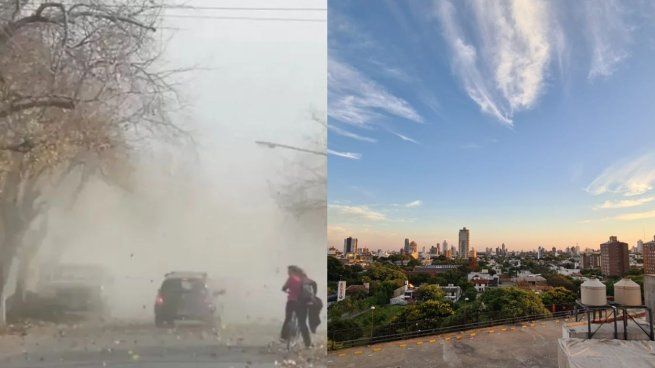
[356, 99]
[361, 212]
[502, 51]
[414, 204]
[625, 203]
[506, 71]
[349, 155]
[630, 177]
[608, 36]
[633, 216]
[405, 138]
[349, 134]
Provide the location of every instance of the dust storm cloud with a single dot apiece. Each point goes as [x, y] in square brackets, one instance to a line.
[178, 219]
[218, 206]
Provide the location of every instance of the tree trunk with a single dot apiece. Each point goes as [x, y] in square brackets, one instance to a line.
[31, 243]
[3, 309]
[21, 280]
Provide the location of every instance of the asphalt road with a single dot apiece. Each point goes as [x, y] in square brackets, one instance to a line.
[529, 345]
[143, 345]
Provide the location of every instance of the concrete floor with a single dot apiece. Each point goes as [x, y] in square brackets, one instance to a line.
[527, 345]
[145, 346]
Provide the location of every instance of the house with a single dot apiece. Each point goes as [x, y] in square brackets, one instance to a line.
[527, 280]
[515, 262]
[480, 284]
[568, 271]
[403, 295]
[491, 280]
[452, 292]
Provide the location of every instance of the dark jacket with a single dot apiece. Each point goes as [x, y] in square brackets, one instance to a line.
[314, 313]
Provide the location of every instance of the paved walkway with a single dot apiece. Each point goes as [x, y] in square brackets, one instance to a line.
[524, 345]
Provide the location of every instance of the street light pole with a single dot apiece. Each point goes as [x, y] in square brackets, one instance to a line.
[372, 309]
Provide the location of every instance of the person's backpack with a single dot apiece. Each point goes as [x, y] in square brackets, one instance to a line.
[308, 291]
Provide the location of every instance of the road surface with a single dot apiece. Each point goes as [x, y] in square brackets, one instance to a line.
[143, 345]
[529, 345]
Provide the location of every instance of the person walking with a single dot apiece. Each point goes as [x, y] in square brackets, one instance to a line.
[296, 303]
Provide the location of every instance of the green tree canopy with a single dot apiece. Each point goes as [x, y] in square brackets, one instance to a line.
[558, 296]
[335, 269]
[429, 292]
[511, 303]
[343, 330]
[557, 280]
[385, 272]
[425, 315]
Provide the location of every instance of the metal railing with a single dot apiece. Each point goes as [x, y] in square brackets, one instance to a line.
[412, 329]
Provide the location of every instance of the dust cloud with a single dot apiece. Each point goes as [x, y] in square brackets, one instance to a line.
[219, 206]
[215, 216]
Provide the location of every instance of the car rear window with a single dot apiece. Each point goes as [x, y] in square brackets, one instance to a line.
[182, 285]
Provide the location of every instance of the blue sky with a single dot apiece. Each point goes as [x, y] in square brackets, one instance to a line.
[527, 121]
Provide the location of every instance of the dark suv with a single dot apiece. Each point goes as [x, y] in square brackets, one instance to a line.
[185, 296]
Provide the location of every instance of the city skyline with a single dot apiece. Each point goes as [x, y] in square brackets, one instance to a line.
[531, 133]
[478, 247]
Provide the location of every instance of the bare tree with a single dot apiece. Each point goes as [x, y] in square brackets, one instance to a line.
[79, 91]
[302, 188]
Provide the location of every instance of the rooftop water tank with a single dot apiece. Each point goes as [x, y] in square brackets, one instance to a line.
[627, 292]
[593, 293]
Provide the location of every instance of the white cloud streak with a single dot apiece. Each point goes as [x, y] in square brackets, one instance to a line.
[414, 204]
[348, 155]
[349, 134]
[405, 138]
[362, 212]
[628, 178]
[356, 99]
[506, 72]
[625, 203]
[608, 36]
[502, 50]
[636, 216]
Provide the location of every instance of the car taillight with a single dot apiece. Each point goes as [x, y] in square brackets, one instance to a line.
[159, 300]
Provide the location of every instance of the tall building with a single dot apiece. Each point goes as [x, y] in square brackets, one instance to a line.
[614, 257]
[648, 251]
[413, 249]
[590, 260]
[464, 241]
[406, 248]
[350, 245]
